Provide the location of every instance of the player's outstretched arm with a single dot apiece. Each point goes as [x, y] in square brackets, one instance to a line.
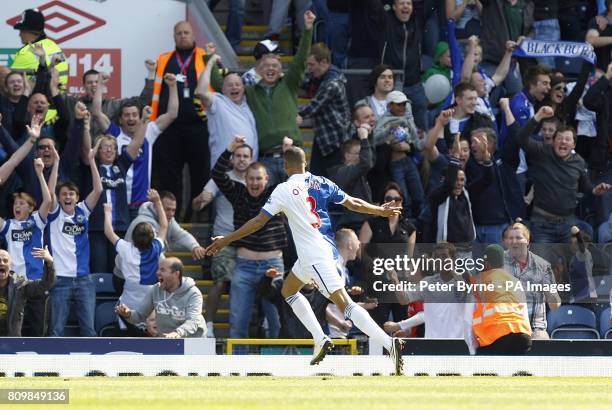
[363, 207]
[252, 225]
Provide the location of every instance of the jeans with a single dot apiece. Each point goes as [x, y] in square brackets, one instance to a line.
[406, 175]
[280, 10]
[490, 234]
[432, 33]
[275, 166]
[547, 30]
[337, 37]
[82, 291]
[513, 82]
[416, 94]
[246, 278]
[235, 20]
[545, 231]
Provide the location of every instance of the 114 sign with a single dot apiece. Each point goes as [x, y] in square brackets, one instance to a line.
[81, 60]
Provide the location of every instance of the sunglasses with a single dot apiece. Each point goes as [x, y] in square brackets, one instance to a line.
[393, 198]
[559, 88]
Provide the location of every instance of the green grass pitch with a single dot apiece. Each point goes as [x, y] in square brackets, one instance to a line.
[336, 393]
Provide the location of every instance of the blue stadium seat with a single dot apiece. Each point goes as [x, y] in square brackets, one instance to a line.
[103, 282]
[106, 319]
[104, 286]
[605, 326]
[572, 322]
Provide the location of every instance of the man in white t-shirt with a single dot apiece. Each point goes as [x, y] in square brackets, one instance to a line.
[442, 310]
[222, 264]
[228, 112]
[69, 244]
[138, 178]
[304, 199]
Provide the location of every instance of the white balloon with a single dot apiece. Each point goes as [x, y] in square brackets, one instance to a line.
[437, 87]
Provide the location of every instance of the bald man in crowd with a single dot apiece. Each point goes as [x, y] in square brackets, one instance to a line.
[176, 300]
[186, 140]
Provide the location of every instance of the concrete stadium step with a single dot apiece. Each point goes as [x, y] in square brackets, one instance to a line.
[223, 301]
[221, 330]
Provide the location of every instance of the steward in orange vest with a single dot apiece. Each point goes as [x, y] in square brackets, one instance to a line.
[185, 141]
[500, 321]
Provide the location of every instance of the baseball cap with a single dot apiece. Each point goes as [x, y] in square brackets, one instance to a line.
[495, 255]
[31, 20]
[265, 47]
[397, 97]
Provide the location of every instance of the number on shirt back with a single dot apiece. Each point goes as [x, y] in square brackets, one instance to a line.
[313, 210]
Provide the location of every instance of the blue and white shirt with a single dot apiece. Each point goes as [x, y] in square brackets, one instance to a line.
[305, 199]
[21, 238]
[68, 240]
[139, 270]
[138, 178]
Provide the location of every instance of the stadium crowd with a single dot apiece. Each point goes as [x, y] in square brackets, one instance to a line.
[478, 143]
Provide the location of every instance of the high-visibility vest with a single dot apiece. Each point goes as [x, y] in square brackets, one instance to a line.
[26, 62]
[500, 312]
[162, 62]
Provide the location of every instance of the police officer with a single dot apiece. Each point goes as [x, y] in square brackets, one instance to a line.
[31, 28]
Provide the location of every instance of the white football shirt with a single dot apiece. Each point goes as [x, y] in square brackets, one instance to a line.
[305, 199]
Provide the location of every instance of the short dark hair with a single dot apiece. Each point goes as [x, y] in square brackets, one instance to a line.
[374, 74]
[70, 186]
[565, 128]
[143, 236]
[245, 146]
[295, 156]
[531, 76]
[349, 144]
[10, 74]
[320, 52]
[462, 87]
[89, 72]
[553, 120]
[130, 102]
[167, 194]
[391, 185]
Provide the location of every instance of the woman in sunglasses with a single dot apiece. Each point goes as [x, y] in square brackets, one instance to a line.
[565, 104]
[388, 238]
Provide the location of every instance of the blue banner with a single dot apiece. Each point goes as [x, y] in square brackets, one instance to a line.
[539, 48]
